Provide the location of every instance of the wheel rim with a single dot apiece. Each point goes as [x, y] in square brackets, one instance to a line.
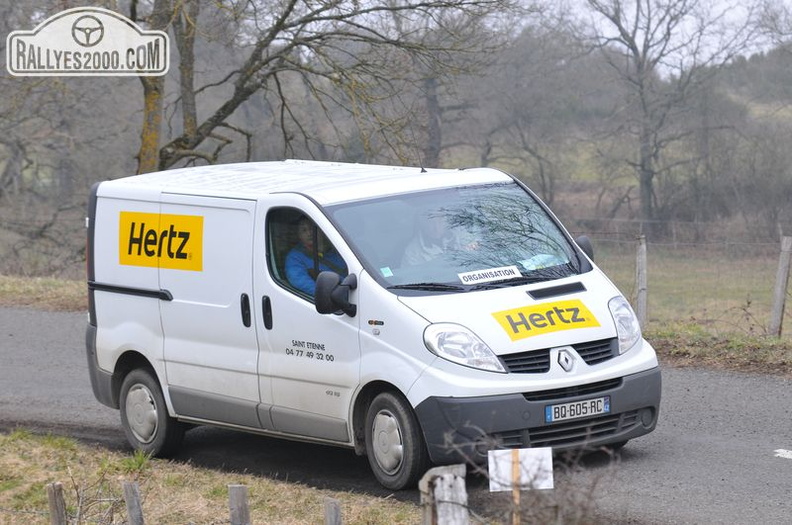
[387, 441]
[141, 411]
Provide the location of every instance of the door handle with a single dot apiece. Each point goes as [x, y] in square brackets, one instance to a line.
[245, 304]
[266, 312]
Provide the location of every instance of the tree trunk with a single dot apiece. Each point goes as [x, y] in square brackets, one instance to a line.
[153, 92]
[148, 157]
[646, 180]
[184, 34]
[434, 139]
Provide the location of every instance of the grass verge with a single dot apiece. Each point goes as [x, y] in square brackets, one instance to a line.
[689, 345]
[43, 293]
[170, 492]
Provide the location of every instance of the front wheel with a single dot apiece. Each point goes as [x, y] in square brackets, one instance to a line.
[394, 442]
[144, 416]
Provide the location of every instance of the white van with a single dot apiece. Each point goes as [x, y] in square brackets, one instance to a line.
[417, 316]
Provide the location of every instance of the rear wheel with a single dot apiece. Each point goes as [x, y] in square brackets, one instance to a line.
[144, 416]
[394, 442]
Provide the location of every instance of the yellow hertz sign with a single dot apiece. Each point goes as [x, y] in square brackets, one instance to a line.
[527, 321]
[163, 241]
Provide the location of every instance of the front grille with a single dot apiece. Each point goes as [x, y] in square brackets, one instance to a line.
[595, 352]
[573, 391]
[569, 433]
[533, 362]
[538, 361]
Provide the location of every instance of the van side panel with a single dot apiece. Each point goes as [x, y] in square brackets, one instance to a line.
[204, 250]
[310, 362]
[126, 310]
[392, 349]
[101, 381]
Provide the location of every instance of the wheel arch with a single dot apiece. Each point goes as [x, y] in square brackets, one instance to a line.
[128, 361]
[360, 408]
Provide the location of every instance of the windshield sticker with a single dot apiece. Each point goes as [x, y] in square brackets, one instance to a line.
[386, 272]
[528, 321]
[492, 274]
[542, 260]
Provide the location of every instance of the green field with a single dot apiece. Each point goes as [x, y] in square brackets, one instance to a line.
[721, 288]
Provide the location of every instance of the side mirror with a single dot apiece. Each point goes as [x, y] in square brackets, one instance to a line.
[332, 294]
[585, 244]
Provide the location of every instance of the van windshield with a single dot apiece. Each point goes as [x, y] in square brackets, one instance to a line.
[456, 239]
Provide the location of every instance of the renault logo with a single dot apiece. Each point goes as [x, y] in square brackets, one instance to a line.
[566, 359]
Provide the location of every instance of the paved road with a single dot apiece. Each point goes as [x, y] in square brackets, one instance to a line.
[722, 452]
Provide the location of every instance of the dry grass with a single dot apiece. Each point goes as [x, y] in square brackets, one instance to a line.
[171, 493]
[690, 345]
[43, 293]
[179, 493]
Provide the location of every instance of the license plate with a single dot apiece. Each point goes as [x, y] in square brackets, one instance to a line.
[577, 409]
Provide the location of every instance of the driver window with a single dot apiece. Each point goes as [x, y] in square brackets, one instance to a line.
[299, 250]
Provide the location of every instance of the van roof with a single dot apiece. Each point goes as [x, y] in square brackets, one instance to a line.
[326, 182]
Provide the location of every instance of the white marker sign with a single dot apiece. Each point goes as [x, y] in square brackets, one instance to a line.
[526, 469]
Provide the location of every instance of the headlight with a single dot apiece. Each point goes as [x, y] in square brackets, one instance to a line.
[627, 327]
[458, 344]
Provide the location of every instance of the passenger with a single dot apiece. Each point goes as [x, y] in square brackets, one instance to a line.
[304, 261]
[434, 238]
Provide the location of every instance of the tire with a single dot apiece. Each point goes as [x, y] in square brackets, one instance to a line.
[394, 443]
[144, 416]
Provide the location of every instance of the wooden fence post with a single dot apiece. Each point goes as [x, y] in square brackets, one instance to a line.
[780, 292]
[641, 282]
[132, 499]
[444, 496]
[238, 503]
[332, 511]
[57, 505]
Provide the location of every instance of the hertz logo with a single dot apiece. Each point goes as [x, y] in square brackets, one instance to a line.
[162, 241]
[528, 321]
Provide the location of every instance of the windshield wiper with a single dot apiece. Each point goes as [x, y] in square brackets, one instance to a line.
[432, 287]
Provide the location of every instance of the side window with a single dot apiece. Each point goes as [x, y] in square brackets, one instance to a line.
[298, 250]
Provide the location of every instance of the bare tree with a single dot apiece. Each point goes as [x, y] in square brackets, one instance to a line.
[775, 22]
[524, 112]
[342, 51]
[663, 53]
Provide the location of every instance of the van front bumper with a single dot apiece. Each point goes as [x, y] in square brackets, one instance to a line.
[464, 429]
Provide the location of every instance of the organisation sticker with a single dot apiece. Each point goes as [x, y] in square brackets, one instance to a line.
[491, 274]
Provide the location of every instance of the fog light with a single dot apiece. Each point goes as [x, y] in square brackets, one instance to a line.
[647, 417]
